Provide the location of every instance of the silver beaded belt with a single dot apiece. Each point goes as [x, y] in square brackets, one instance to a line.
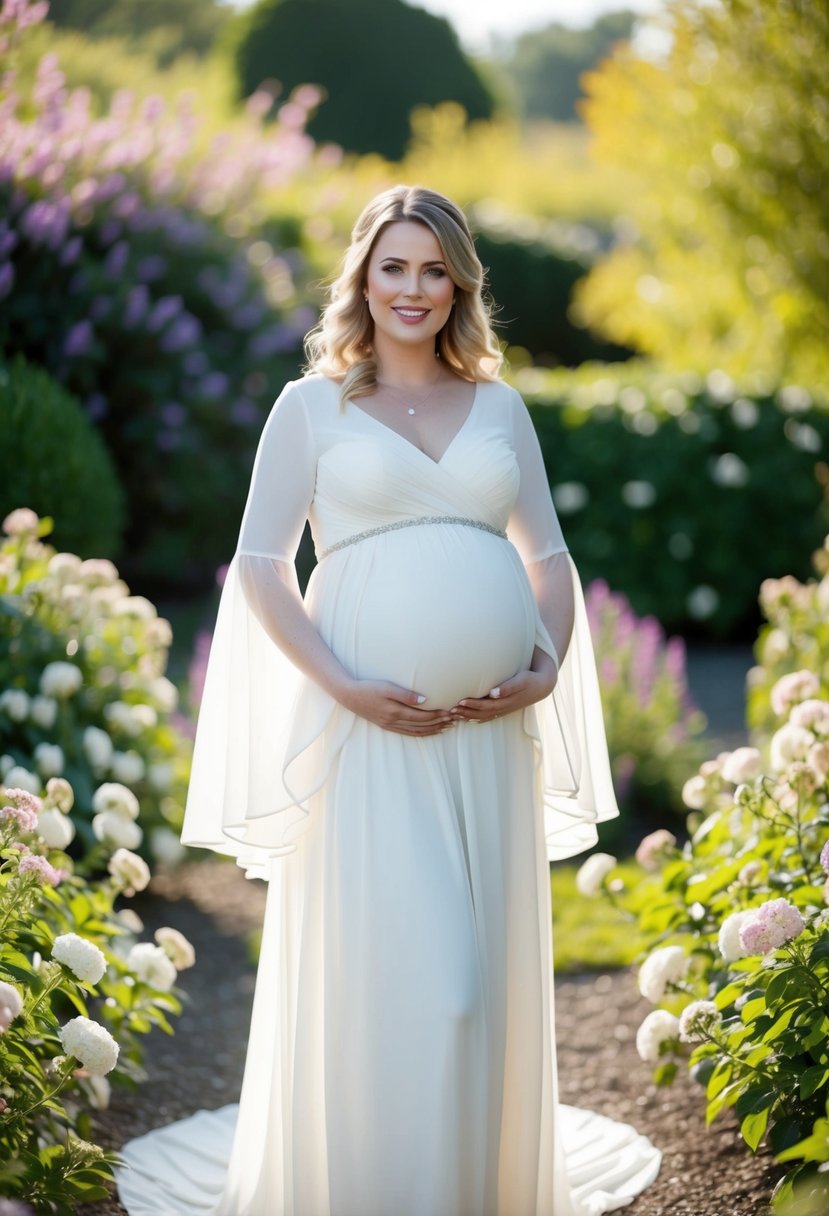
[411, 523]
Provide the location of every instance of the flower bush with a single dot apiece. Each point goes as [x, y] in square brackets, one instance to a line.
[83, 696]
[77, 992]
[795, 638]
[142, 274]
[645, 466]
[739, 920]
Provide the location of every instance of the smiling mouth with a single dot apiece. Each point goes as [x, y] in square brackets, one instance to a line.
[412, 313]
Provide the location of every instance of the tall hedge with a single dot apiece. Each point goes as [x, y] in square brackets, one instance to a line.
[376, 59]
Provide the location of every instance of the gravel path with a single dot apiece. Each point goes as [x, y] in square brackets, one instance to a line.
[596, 1014]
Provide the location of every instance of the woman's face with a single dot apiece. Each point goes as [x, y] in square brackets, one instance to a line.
[409, 289]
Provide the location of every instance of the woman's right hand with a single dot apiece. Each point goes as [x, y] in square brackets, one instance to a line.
[393, 708]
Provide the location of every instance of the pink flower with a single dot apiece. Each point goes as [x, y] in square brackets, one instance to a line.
[25, 820]
[653, 848]
[46, 873]
[792, 688]
[771, 925]
[24, 800]
[824, 857]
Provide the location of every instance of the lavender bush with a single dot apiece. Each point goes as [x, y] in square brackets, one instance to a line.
[143, 275]
[653, 727]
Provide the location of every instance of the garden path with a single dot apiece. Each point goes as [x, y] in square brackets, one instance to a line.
[704, 1172]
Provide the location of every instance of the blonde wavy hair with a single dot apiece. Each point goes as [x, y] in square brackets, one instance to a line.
[340, 345]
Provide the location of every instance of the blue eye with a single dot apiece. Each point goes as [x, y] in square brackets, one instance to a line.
[437, 271]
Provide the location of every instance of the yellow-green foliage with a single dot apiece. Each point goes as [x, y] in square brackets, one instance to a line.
[727, 264]
[592, 933]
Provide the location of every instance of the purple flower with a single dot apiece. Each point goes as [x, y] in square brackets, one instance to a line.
[116, 260]
[243, 411]
[46, 873]
[138, 301]
[150, 268]
[24, 819]
[185, 331]
[196, 363]
[79, 339]
[71, 251]
[6, 279]
[173, 414]
[163, 311]
[213, 385]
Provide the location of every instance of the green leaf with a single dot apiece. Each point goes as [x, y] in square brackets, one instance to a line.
[753, 1128]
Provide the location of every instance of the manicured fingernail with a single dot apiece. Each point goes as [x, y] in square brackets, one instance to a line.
[495, 692]
[463, 703]
[420, 698]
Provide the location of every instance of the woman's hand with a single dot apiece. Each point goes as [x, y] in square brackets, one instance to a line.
[521, 690]
[392, 707]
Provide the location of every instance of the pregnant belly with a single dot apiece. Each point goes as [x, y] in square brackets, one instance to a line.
[447, 616]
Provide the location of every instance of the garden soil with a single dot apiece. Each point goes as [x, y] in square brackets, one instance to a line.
[704, 1172]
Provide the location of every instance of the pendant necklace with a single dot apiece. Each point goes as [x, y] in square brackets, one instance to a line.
[404, 395]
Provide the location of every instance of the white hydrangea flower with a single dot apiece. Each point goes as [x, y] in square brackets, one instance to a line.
[98, 748]
[788, 744]
[164, 693]
[43, 711]
[55, 829]
[11, 1005]
[177, 947]
[811, 715]
[112, 796]
[166, 846]
[130, 870]
[98, 570]
[744, 764]
[665, 966]
[90, 1043]
[49, 759]
[694, 793]
[60, 679]
[64, 566]
[117, 831]
[152, 965]
[593, 872]
[160, 776]
[83, 958]
[14, 702]
[658, 1027]
[127, 767]
[137, 606]
[20, 521]
[144, 716]
[793, 687]
[728, 938]
[19, 778]
[697, 1020]
[59, 794]
[120, 716]
[130, 920]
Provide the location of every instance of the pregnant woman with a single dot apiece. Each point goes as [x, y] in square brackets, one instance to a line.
[399, 754]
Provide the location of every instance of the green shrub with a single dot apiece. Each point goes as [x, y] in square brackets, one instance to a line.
[682, 493]
[54, 459]
[532, 267]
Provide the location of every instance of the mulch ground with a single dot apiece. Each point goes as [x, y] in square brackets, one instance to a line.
[705, 1172]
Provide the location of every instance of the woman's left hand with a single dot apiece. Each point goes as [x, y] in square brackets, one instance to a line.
[518, 692]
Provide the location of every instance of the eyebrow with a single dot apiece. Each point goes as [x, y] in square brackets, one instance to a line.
[403, 262]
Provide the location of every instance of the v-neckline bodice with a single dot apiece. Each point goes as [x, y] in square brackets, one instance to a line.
[409, 443]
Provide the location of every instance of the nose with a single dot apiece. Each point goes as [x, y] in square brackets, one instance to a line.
[412, 285]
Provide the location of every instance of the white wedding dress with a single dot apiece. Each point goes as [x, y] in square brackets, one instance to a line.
[401, 1060]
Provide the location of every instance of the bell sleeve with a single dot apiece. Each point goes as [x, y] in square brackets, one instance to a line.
[256, 758]
[567, 727]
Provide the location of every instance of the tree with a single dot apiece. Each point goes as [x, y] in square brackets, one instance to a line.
[546, 65]
[375, 59]
[169, 27]
[726, 261]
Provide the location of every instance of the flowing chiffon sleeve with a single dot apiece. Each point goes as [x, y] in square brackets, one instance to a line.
[259, 740]
[567, 727]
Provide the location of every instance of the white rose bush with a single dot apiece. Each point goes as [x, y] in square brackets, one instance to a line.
[738, 917]
[84, 697]
[77, 992]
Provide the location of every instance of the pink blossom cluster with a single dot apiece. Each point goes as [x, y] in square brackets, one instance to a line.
[44, 871]
[21, 809]
[770, 926]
